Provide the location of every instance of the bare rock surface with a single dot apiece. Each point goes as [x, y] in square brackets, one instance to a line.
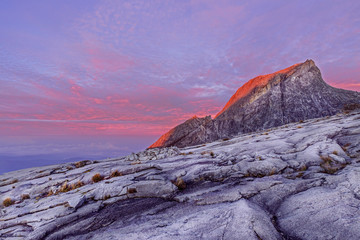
[297, 181]
[290, 95]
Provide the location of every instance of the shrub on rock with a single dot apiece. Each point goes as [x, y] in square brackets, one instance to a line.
[8, 202]
[97, 178]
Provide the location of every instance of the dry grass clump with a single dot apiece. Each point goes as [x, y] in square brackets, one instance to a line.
[329, 165]
[326, 158]
[212, 154]
[65, 187]
[14, 181]
[180, 183]
[254, 174]
[299, 126]
[25, 196]
[184, 154]
[273, 171]
[97, 178]
[115, 173]
[301, 121]
[345, 147]
[131, 190]
[136, 162]
[77, 185]
[8, 202]
[335, 152]
[50, 193]
[81, 164]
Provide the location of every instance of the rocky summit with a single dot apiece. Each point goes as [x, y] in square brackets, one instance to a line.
[297, 181]
[290, 95]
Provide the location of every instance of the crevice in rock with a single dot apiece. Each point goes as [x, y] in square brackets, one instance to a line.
[282, 99]
[103, 217]
[283, 234]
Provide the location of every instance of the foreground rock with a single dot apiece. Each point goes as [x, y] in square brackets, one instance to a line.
[290, 95]
[298, 181]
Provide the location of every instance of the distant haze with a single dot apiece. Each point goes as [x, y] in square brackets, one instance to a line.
[97, 78]
[24, 152]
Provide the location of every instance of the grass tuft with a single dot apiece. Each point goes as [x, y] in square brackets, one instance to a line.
[131, 190]
[64, 187]
[14, 181]
[97, 178]
[180, 183]
[25, 196]
[329, 165]
[81, 164]
[115, 173]
[136, 162]
[76, 185]
[8, 202]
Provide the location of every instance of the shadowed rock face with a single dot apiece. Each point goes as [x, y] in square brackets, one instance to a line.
[290, 95]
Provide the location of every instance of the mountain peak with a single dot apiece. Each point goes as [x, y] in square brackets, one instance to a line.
[289, 95]
[262, 81]
[310, 62]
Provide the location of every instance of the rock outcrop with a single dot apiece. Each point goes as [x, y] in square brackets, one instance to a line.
[298, 181]
[290, 95]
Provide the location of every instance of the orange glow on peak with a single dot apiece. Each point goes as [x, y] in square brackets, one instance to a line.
[257, 82]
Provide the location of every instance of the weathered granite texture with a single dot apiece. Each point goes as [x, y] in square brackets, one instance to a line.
[297, 181]
[290, 95]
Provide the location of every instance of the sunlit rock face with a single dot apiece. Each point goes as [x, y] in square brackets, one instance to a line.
[290, 95]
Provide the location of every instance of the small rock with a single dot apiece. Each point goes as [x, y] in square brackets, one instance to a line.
[337, 158]
[77, 201]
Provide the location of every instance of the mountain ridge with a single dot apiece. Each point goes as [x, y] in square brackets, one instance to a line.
[292, 94]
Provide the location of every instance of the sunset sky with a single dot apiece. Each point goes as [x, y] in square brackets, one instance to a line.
[85, 73]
